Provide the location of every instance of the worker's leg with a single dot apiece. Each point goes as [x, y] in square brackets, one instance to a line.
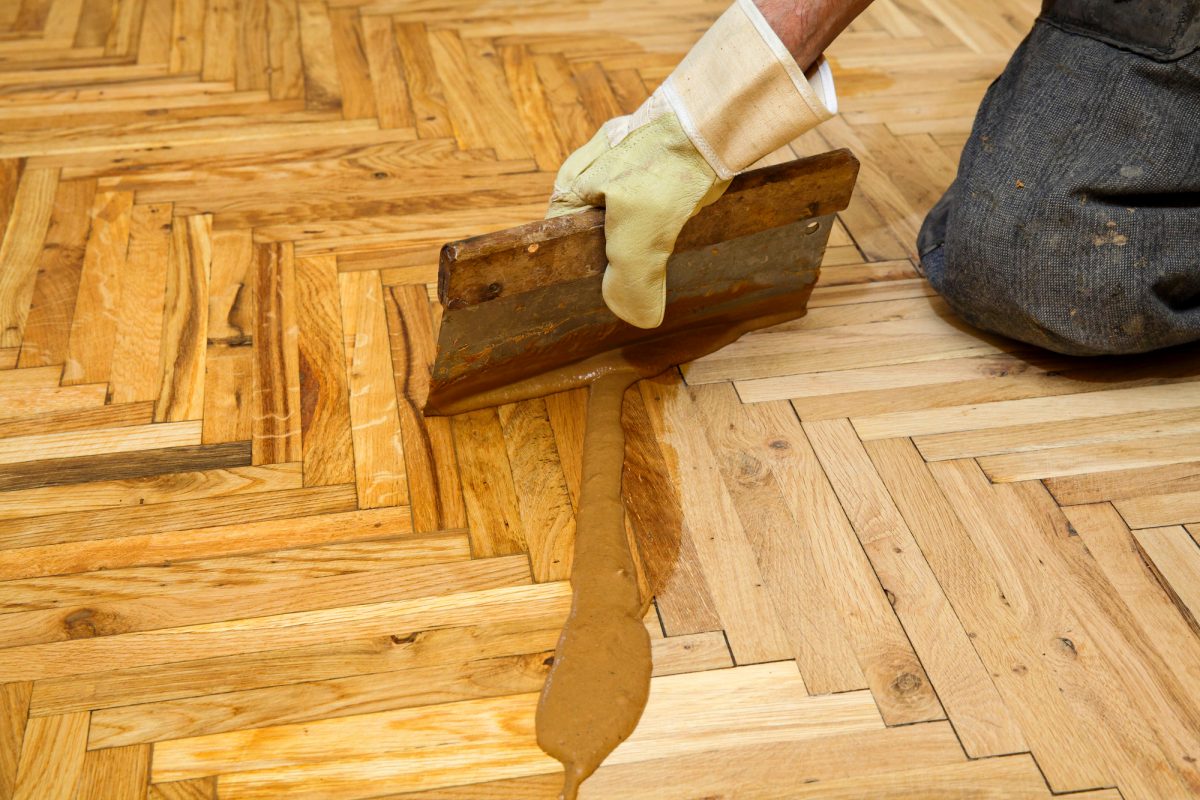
[1074, 222]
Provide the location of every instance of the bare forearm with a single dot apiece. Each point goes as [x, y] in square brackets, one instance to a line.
[807, 27]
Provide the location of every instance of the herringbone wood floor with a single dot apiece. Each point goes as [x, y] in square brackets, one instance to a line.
[893, 558]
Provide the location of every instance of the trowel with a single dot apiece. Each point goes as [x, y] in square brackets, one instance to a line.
[525, 302]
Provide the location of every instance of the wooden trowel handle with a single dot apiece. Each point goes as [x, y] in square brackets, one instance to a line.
[552, 251]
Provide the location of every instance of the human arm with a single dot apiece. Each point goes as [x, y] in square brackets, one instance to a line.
[738, 95]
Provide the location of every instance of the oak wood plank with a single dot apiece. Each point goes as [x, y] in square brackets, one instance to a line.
[197, 482]
[181, 578]
[1175, 557]
[276, 403]
[379, 469]
[430, 460]
[48, 326]
[257, 634]
[654, 517]
[136, 370]
[799, 573]
[81, 526]
[324, 390]
[286, 69]
[489, 491]
[52, 754]
[28, 224]
[185, 322]
[1092, 457]
[962, 683]
[1124, 484]
[116, 773]
[1025, 542]
[94, 324]
[424, 86]
[110, 416]
[350, 44]
[507, 749]
[776, 770]
[1063, 744]
[204, 681]
[59, 472]
[320, 519]
[322, 88]
[78, 443]
[741, 595]
[281, 595]
[547, 518]
[387, 73]
[14, 714]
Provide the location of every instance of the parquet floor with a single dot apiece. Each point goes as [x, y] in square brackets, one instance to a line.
[893, 557]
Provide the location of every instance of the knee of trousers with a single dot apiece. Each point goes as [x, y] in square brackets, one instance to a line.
[1071, 274]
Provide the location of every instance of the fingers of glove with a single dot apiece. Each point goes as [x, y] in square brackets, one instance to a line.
[640, 230]
[566, 198]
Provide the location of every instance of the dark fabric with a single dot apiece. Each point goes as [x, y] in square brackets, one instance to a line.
[1074, 221]
[1161, 29]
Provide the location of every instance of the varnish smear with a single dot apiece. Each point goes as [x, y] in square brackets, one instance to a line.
[600, 679]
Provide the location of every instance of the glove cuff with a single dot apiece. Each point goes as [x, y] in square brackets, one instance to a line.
[740, 95]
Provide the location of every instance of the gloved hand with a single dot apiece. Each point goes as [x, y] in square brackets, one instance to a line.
[736, 96]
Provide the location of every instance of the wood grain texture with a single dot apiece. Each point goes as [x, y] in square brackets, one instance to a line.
[324, 390]
[890, 556]
[275, 416]
[94, 325]
[32, 206]
[134, 376]
[379, 471]
[55, 292]
[428, 442]
[185, 323]
[14, 708]
[52, 757]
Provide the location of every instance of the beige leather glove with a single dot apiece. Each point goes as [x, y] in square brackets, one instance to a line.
[736, 96]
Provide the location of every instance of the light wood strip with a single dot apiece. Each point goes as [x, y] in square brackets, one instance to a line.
[324, 391]
[489, 493]
[48, 326]
[27, 226]
[169, 487]
[375, 424]
[740, 593]
[1125, 484]
[962, 683]
[430, 460]
[1064, 746]
[282, 595]
[1077, 459]
[275, 421]
[94, 324]
[136, 368]
[52, 755]
[1086, 405]
[544, 503]
[384, 740]
[146, 648]
[117, 773]
[14, 714]
[73, 444]
[1175, 557]
[185, 323]
[190, 577]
